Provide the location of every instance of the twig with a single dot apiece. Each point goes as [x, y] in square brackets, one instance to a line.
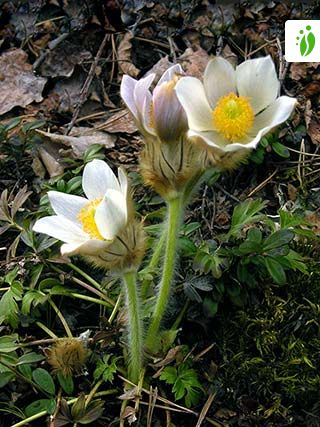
[262, 184]
[85, 87]
[205, 409]
[51, 45]
[152, 403]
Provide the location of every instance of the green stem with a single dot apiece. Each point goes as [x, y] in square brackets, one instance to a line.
[174, 215]
[62, 319]
[134, 326]
[47, 330]
[154, 262]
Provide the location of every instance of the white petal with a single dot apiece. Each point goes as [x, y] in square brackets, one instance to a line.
[123, 179]
[278, 112]
[257, 79]
[219, 79]
[146, 113]
[211, 138]
[97, 179]
[111, 214]
[66, 205]
[191, 94]
[170, 73]
[140, 93]
[60, 228]
[127, 87]
[90, 247]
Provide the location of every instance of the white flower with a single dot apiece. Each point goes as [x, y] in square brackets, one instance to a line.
[88, 225]
[233, 108]
[160, 113]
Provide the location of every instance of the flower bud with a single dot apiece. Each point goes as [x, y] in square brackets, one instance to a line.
[168, 117]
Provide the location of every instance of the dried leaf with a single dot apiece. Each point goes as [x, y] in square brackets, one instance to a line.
[124, 56]
[19, 200]
[18, 85]
[129, 414]
[60, 62]
[4, 208]
[314, 130]
[50, 157]
[81, 138]
[194, 62]
[300, 70]
[120, 122]
[171, 355]
[160, 67]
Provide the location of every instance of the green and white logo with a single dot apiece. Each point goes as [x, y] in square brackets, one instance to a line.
[306, 40]
[302, 41]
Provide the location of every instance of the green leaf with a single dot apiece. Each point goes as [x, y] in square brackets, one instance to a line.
[106, 368]
[66, 383]
[33, 125]
[93, 411]
[44, 380]
[9, 309]
[210, 307]
[278, 239]
[8, 343]
[275, 270]
[30, 358]
[13, 123]
[246, 213]
[169, 375]
[280, 149]
[6, 377]
[40, 405]
[33, 297]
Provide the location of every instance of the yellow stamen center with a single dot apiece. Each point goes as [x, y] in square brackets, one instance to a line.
[233, 116]
[86, 217]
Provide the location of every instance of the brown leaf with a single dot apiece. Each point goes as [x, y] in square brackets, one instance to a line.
[19, 200]
[312, 88]
[314, 130]
[60, 62]
[120, 122]
[300, 70]
[124, 56]
[160, 67]
[292, 192]
[51, 159]
[171, 355]
[18, 85]
[81, 138]
[194, 62]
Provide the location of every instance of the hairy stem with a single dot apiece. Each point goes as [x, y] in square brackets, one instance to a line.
[134, 326]
[174, 214]
[154, 262]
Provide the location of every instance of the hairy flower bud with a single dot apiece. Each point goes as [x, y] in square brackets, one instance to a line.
[167, 115]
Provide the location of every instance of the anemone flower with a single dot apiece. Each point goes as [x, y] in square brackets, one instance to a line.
[159, 114]
[233, 108]
[88, 225]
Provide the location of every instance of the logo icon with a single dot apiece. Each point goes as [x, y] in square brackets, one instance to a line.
[306, 41]
[302, 40]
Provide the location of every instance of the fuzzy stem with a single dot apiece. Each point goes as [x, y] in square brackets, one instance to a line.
[174, 215]
[134, 325]
[154, 262]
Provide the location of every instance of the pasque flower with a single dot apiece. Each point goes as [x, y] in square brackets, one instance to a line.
[101, 225]
[169, 160]
[159, 114]
[233, 108]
